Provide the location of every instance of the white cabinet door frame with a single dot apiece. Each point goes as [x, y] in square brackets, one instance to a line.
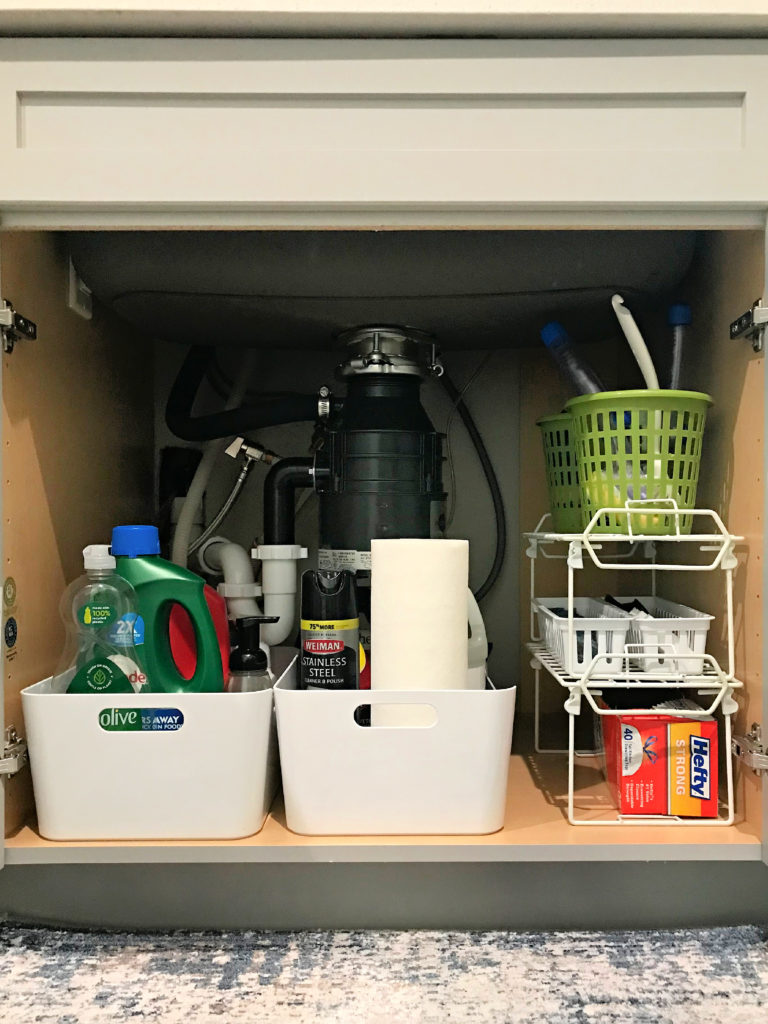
[298, 133]
[114, 132]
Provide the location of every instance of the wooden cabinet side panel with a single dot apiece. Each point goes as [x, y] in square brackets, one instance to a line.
[77, 458]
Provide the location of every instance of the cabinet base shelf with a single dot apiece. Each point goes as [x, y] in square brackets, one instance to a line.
[536, 829]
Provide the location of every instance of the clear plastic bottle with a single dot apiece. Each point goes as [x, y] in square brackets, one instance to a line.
[100, 614]
[578, 374]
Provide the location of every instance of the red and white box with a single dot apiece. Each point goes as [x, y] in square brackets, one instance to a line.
[661, 764]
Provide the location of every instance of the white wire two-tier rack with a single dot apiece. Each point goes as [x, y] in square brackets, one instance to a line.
[709, 550]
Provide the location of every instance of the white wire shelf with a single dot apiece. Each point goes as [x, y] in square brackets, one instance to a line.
[726, 807]
[638, 551]
[717, 541]
[720, 545]
[711, 682]
[711, 676]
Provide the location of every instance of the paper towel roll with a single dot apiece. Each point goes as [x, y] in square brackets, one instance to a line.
[419, 614]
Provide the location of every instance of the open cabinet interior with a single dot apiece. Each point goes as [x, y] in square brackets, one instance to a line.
[84, 432]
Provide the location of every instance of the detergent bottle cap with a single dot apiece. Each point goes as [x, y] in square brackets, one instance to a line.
[135, 541]
[97, 556]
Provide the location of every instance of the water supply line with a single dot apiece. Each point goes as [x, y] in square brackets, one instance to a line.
[183, 533]
[252, 454]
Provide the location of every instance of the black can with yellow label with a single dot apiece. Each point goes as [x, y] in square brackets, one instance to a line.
[330, 631]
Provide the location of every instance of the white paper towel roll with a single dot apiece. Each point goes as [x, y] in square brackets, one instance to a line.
[419, 614]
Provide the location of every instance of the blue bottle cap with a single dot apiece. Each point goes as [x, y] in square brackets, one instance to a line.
[679, 315]
[553, 334]
[135, 541]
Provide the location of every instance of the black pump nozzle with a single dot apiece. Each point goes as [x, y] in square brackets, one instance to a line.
[247, 655]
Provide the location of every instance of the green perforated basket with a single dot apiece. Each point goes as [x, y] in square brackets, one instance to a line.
[638, 446]
[562, 478]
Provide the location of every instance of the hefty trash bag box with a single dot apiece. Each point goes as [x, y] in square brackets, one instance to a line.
[660, 763]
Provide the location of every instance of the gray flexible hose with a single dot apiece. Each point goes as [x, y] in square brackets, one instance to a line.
[223, 512]
[183, 531]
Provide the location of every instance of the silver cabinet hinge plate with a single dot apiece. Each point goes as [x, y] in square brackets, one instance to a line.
[14, 326]
[751, 324]
[750, 751]
[14, 753]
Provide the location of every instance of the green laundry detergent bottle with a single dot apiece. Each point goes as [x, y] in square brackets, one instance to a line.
[160, 586]
[99, 611]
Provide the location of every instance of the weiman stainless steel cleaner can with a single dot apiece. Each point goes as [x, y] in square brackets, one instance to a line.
[330, 631]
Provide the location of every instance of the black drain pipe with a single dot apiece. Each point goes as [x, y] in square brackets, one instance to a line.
[280, 497]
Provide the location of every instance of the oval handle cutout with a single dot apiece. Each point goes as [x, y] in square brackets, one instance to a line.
[395, 716]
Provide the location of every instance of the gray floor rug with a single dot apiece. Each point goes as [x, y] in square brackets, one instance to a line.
[73, 977]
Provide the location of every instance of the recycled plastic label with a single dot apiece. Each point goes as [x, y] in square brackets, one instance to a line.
[94, 615]
[141, 719]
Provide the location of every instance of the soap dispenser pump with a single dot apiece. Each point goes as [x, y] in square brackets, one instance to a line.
[248, 666]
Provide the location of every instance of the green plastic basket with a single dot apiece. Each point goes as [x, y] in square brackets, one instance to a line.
[562, 477]
[638, 446]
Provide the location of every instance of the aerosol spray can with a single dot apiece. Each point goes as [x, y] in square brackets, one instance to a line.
[330, 630]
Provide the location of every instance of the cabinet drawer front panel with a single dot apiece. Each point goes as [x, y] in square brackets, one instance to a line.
[382, 125]
[126, 122]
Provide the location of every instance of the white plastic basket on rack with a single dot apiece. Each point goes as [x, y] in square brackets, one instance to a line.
[596, 630]
[674, 628]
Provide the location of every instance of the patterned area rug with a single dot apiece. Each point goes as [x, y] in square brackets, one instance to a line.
[72, 977]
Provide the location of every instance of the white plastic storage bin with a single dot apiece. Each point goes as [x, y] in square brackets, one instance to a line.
[340, 778]
[674, 631]
[599, 629]
[97, 774]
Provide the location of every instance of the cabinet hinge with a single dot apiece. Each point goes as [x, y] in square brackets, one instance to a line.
[751, 324]
[14, 326]
[750, 750]
[14, 753]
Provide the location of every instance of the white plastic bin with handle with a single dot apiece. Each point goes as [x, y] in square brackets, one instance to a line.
[151, 766]
[444, 778]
